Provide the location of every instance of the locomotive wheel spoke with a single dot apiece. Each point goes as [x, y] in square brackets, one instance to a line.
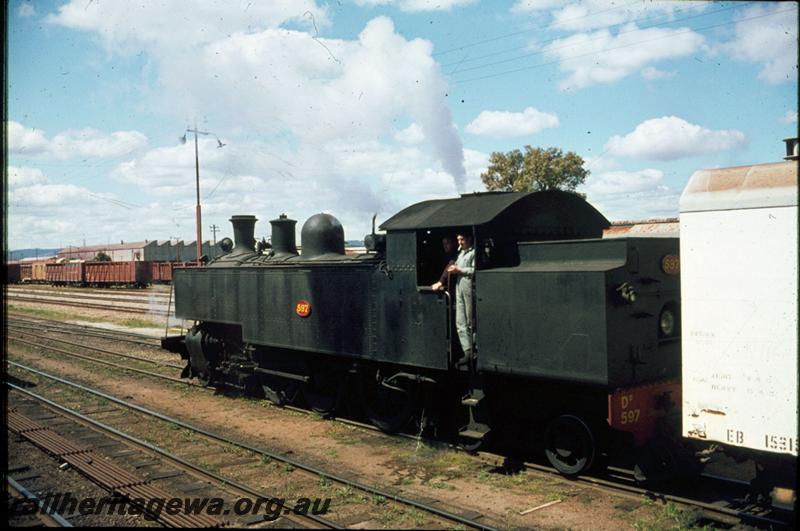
[204, 378]
[324, 392]
[389, 410]
[279, 391]
[569, 445]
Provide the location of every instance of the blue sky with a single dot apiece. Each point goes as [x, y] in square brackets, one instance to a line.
[361, 107]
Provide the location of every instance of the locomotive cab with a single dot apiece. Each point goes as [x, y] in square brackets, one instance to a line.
[497, 222]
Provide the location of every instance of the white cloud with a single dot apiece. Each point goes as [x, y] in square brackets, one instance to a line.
[772, 41]
[670, 138]
[617, 182]
[26, 10]
[592, 14]
[412, 134]
[295, 83]
[19, 177]
[47, 214]
[600, 57]
[417, 5]
[476, 162]
[652, 73]
[126, 27]
[789, 118]
[600, 163]
[510, 124]
[73, 143]
[529, 6]
[338, 177]
[628, 195]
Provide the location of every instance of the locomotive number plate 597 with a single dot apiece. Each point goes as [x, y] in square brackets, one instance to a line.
[302, 308]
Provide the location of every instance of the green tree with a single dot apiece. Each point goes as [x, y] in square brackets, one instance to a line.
[102, 257]
[536, 170]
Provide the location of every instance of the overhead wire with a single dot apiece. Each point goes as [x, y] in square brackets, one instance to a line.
[545, 41]
[528, 30]
[597, 52]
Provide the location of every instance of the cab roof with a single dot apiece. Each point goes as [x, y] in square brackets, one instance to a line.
[550, 208]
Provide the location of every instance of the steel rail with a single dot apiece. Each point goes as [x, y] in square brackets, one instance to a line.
[174, 460]
[67, 326]
[78, 295]
[92, 306]
[175, 379]
[100, 350]
[65, 330]
[263, 451]
[29, 286]
[49, 518]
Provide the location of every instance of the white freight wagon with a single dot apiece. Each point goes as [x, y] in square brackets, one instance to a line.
[739, 303]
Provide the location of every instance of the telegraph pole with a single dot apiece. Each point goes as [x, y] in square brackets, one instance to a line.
[214, 230]
[198, 215]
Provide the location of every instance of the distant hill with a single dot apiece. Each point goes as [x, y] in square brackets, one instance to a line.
[18, 254]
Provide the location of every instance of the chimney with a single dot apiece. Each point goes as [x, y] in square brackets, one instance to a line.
[283, 236]
[244, 228]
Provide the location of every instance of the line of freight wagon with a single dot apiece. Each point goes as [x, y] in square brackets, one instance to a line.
[123, 273]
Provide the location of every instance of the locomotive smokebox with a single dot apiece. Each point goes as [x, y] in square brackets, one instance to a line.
[244, 229]
[283, 238]
[322, 234]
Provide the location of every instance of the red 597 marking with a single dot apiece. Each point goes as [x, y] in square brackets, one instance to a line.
[302, 308]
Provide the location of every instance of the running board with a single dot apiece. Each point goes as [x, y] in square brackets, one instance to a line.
[471, 401]
[475, 434]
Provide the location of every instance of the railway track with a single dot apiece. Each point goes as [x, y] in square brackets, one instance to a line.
[132, 485]
[619, 481]
[108, 307]
[43, 324]
[152, 342]
[154, 290]
[140, 297]
[437, 515]
[20, 496]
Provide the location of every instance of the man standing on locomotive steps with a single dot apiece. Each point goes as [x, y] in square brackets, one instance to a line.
[464, 268]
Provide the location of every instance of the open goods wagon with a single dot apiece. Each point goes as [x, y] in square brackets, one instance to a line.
[33, 272]
[65, 273]
[161, 272]
[124, 273]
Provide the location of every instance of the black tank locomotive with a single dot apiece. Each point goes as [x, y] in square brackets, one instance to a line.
[577, 337]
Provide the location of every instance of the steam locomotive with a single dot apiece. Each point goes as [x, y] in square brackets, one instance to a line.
[577, 338]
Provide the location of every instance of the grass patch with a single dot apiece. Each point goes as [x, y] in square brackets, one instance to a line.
[46, 314]
[394, 517]
[664, 516]
[429, 462]
[134, 322]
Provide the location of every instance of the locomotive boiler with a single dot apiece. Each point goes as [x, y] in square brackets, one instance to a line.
[576, 338]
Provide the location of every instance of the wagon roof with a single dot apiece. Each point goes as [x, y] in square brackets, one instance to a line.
[756, 186]
[481, 208]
